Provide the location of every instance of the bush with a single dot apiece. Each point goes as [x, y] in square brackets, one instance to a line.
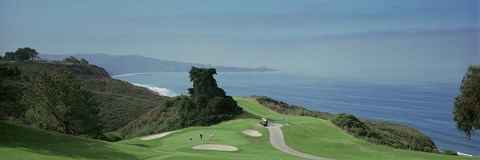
[159, 119]
[284, 108]
[401, 136]
[450, 152]
[354, 126]
[112, 137]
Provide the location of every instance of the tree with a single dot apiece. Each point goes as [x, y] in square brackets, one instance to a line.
[204, 85]
[83, 61]
[467, 104]
[71, 59]
[23, 54]
[208, 104]
[58, 102]
[9, 56]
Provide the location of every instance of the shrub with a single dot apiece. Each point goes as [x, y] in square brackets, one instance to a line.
[354, 126]
[284, 108]
[450, 152]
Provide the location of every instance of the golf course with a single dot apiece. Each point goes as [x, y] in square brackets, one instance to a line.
[312, 136]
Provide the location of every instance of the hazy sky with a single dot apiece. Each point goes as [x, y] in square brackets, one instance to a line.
[291, 35]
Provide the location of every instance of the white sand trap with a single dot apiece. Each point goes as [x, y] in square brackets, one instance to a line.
[252, 133]
[155, 136]
[216, 147]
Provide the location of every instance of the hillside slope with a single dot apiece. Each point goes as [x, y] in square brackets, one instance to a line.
[121, 102]
[378, 132]
[19, 142]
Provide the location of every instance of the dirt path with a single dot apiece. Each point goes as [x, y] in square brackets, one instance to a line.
[276, 138]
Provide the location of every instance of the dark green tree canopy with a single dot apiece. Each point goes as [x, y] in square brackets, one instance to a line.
[83, 61]
[9, 72]
[9, 94]
[71, 59]
[22, 54]
[9, 56]
[207, 103]
[74, 60]
[58, 102]
[204, 85]
[467, 104]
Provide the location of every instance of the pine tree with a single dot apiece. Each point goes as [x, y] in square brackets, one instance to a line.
[467, 104]
[58, 102]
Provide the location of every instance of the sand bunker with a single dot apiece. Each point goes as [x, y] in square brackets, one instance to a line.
[252, 133]
[216, 147]
[155, 136]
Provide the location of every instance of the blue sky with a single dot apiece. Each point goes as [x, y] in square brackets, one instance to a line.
[314, 36]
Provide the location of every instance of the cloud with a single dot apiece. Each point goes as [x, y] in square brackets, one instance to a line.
[295, 35]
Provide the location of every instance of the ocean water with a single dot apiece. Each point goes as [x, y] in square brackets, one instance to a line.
[426, 106]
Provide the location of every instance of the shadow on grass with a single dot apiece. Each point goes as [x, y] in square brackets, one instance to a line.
[247, 115]
[48, 143]
[141, 145]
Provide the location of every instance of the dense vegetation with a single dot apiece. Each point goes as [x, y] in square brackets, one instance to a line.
[467, 105]
[159, 119]
[118, 102]
[284, 108]
[9, 94]
[73, 59]
[207, 104]
[450, 152]
[58, 102]
[21, 54]
[57, 93]
[354, 126]
[378, 132]
[400, 136]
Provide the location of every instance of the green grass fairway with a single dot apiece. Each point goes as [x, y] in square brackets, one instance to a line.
[228, 133]
[309, 135]
[321, 138]
[19, 142]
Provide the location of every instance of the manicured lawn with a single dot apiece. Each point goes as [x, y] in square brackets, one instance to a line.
[320, 137]
[227, 133]
[310, 135]
[19, 142]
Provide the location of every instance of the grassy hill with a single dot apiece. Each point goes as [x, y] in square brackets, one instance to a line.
[21, 142]
[310, 135]
[121, 102]
[321, 138]
[378, 132]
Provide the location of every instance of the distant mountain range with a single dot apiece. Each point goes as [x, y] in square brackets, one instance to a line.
[121, 64]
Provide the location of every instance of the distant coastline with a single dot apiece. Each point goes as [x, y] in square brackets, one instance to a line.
[132, 74]
[124, 64]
